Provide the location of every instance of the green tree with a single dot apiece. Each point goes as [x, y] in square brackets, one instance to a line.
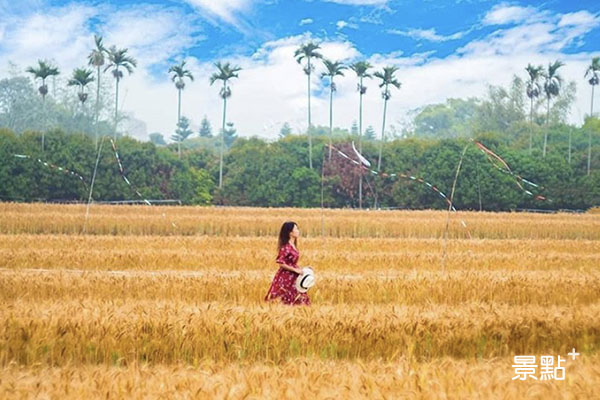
[205, 128]
[591, 125]
[592, 72]
[370, 133]
[354, 129]
[117, 59]
[552, 85]
[182, 132]
[179, 74]
[157, 138]
[97, 58]
[230, 134]
[285, 130]
[81, 77]
[333, 69]
[453, 119]
[306, 52]
[20, 106]
[534, 89]
[43, 71]
[361, 69]
[203, 186]
[225, 72]
[387, 78]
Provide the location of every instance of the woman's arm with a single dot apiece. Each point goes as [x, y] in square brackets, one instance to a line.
[289, 268]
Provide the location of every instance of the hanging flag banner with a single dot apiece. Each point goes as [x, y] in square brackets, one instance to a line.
[54, 167]
[405, 176]
[122, 171]
[360, 156]
[491, 156]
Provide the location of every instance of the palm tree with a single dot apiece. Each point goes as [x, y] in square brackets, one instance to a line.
[534, 89]
[43, 71]
[387, 79]
[334, 68]
[552, 86]
[118, 58]
[360, 68]
[592, 72]
[96, 59]
[308, 51]
[179, 73]
[224, 73]
[81, 77]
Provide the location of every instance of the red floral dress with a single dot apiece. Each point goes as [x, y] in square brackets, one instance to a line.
[283, 285]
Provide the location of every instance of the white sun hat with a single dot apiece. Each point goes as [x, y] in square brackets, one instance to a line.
[306, 280]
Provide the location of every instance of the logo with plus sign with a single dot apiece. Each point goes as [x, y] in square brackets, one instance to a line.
[573, 353]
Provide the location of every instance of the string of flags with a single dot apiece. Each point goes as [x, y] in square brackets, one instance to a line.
[491, 156]
[364, 163]
[122, 171]
[54, 167]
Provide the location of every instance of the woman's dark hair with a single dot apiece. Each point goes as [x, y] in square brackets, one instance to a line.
[284, 234]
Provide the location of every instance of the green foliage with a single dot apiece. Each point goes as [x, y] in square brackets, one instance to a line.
[205, 128]
[286, 130]
[157, 138]
[183, 130]
[369, 133]
[230, 134]
[257, 173]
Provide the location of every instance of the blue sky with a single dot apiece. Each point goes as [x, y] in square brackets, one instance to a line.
[443, 48]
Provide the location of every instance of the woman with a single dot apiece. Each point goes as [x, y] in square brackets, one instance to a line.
[283, 285]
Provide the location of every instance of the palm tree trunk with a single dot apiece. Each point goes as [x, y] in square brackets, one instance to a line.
[222, 135]
[81, 109]
[97, 110]
[178, 122]
[309, 121]
[382, 131]
[360, 141]
[547, 127]
[116, 106]
[592, 106]
[531, 126]
[330, 114]
[45, 120]
[589, 160]
[570, 134]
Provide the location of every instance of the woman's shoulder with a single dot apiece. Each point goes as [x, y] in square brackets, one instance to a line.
[288, 246]
[285, 247]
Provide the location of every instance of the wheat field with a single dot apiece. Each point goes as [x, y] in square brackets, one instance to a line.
[167, 302]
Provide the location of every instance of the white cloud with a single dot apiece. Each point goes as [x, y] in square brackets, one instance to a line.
[538, 35]
[359, 2]
[306, 21]
[271, 88]
[581, 18]
[59, 34]
[427, 34]
[502, 14]
[343, 24]
[227, 10]
[152, 34]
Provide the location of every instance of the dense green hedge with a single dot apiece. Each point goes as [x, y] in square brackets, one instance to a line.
[258, 173]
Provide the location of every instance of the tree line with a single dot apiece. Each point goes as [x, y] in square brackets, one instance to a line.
[274, 174]
[500, 117]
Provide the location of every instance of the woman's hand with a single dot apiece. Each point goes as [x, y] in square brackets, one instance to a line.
[298, 271]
